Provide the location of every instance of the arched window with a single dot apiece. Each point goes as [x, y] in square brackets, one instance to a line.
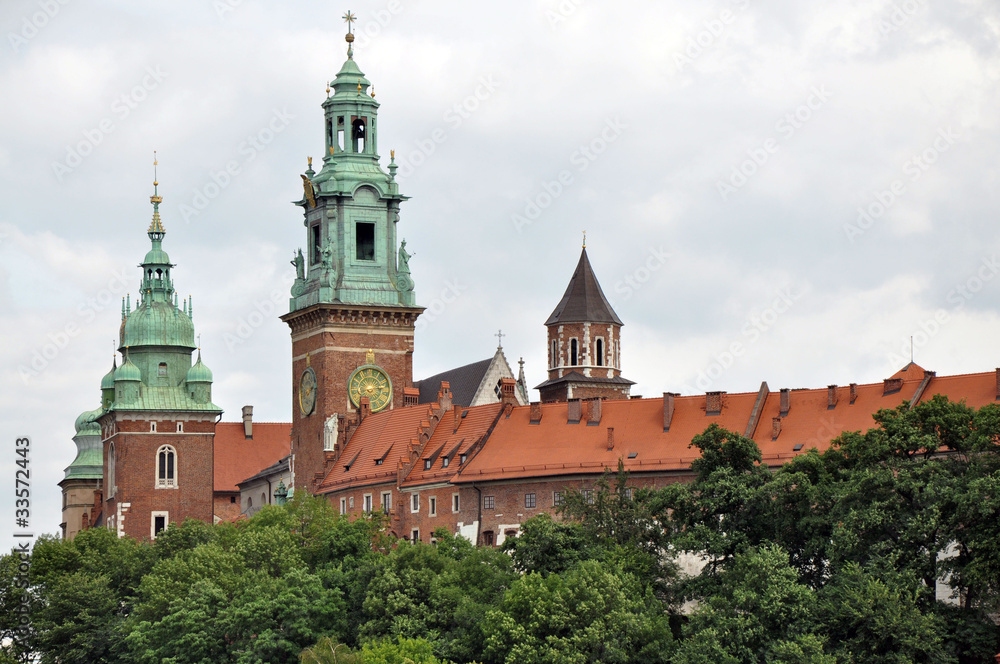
[600, 352]
[111, 469]
[166, 468]
[572, 352]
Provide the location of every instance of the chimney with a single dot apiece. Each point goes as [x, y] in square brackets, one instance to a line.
[668, 410]
[573, 412]
[444, 396]
[854, 392]
[457, 411]
[536, 413]
[411, 396]
[775, 428]
[611, 438]
[507, 394]
[891, 385]
[786, 401]
[364, 409]
[248, 422]
[831, 397]
[594, 412]
[713, 403]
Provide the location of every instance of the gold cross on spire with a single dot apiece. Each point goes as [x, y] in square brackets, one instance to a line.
[349, 19]
[585, 239]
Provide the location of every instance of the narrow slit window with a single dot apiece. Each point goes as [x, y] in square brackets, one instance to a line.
[600, 352]
[364, 240]
[314, 258]
[572, 352]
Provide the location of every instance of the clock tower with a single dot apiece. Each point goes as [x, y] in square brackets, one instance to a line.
[352, 308]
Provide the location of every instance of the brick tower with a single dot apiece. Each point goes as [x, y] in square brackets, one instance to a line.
[157, 425]
[584, 343]
[352, 310]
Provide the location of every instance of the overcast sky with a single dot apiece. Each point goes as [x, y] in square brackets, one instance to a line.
[778, 191]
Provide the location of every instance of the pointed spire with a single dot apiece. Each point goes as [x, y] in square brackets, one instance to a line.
[156, 227]
[583, 301]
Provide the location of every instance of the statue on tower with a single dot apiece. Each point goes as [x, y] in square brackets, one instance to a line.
[299, 287]
[327, 260]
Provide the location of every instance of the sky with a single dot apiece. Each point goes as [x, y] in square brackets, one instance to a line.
[782, 192]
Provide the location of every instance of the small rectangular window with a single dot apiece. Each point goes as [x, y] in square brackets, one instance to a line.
[432, 506]
[180, 427]
[557, 498]
[368, 503]
[350, 502]
[588, 495]
[628, 493]
[529, 500]
[489, 502]
[488, 538]
[444, 462]
[415, 503]
[415, 535]
[162, 369]
[454, 502]
[364, 241]
[152, 427]
[314, 254]
[343, 506]
[427, 464]
[386, 502]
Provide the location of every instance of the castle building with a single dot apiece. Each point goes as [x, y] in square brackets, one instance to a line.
[463, 449]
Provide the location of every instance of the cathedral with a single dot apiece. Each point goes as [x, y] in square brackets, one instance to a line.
[465, 449]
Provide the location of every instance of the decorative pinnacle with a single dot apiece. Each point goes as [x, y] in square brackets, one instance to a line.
[156, 226]
[585, 239]
[373, 92]
[349, 18]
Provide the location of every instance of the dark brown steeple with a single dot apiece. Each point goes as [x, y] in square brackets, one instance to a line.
[583, 301]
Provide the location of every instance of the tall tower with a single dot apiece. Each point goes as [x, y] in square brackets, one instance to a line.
[352, 310]
[584, 343]
[158, 421]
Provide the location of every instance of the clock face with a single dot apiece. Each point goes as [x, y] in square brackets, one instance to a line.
[370, 382]
[307, 391]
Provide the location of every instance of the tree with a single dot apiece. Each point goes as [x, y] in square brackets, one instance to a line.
[759, 613]
[588, 614]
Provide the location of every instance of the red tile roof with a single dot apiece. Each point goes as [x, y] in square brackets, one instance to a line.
[237, 458]
[387, 436]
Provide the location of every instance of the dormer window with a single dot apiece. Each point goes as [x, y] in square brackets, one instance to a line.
[162, 369]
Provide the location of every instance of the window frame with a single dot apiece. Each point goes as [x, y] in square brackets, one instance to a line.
[170, 467]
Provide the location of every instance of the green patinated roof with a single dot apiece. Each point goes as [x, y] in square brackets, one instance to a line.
[199, 373]
[128, 371]
[108, 382]
[156, 256]
[158, 323]
[89, 461]
[166, 398]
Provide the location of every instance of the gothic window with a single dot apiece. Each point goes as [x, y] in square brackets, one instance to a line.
[572, 352]
[364, 241]
[166, 471]
[600, 352]
[111, 469]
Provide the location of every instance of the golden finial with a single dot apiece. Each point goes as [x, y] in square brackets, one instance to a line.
[328, 90]
[310, 162]
[373, 92]
[156, 226]
[392, 154]
[359, 87]
[585, 239]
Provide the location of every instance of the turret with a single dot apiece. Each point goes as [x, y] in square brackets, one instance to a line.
[199, 381]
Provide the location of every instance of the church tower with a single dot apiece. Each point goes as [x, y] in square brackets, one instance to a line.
[352, 309]
[157, 420]
[584, 343]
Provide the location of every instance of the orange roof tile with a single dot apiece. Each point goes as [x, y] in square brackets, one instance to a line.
[387, 436]
[237, 458]
[518, 449]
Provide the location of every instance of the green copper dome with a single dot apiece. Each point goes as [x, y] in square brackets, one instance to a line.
[86, 424]
[108, 382]
[128, 372]
[157, 323]
[199, 373]
[156, 256]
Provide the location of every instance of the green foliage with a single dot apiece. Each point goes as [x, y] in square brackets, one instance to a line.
[548, 546]
[588, 614]
[400, 651]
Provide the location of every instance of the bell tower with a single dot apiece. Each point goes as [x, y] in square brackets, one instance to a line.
[352, 308]
[584, 342]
